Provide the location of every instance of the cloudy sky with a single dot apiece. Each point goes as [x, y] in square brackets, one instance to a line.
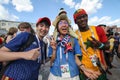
[99, 11]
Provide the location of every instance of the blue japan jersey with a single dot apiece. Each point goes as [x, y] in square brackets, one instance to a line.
[23, 69]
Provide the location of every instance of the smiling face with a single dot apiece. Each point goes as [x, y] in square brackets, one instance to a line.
[81, 21]
[42, 29]
[63, 27]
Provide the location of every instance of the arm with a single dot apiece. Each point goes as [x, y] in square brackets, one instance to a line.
[52, 48]
[102, 38]
[88, 72]
[6, 55]
[52, 57]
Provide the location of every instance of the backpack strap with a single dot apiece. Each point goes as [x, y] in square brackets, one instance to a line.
[28, 43]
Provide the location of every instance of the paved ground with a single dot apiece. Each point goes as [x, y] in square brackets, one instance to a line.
[44, 72]
[115, 71]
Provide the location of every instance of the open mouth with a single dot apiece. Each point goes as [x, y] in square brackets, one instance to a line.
[64, 29]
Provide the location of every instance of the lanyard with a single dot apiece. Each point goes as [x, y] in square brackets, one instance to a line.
[61, 54]
[48, 43]
[39, 58]
[82, 39]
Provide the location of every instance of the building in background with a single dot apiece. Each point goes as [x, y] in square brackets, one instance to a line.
[115, 28]
[5, 25]
[3, 31]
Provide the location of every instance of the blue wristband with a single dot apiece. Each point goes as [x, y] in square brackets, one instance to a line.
[101, 46]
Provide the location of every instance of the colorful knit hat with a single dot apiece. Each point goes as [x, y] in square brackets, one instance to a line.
[62, 15]
[78, 13]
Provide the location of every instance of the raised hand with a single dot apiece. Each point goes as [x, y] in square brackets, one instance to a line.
[53, 43]
[90, 74]
[95, 43]
[32, 54]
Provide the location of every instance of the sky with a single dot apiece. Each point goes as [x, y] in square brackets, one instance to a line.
[99, 11]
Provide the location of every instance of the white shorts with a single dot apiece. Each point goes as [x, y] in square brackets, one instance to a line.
[52, 77]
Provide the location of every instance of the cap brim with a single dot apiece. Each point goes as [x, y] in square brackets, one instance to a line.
[44, 19]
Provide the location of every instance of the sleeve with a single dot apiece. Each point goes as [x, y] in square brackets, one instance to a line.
[101, 34]
[16, 43]
[77, 48]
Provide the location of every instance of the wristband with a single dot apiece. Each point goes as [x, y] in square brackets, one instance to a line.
[81, 68]
[81, 65]
[101, 46]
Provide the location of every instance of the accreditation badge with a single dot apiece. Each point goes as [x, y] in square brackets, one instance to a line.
[65, 71]
[93, 59]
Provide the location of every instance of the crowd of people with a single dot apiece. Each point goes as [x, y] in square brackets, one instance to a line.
[85, 54]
